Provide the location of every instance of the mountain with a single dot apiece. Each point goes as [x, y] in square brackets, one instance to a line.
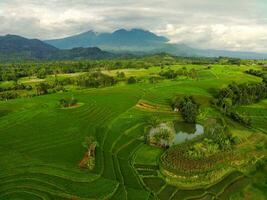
[120, 40]
[139, 41]
[91, 45]
[16, 48]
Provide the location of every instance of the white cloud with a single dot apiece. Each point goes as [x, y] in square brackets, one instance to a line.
[219, 36]
[235, 25]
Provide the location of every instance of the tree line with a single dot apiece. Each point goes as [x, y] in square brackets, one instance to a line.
[240, 94]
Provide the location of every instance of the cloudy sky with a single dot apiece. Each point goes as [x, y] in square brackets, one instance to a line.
[217, 24]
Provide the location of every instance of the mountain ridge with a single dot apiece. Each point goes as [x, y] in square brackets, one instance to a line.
[140, 41]
[120, 38]
[16, 48]
[120, 43]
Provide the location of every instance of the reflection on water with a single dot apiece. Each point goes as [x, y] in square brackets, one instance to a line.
[185, 131]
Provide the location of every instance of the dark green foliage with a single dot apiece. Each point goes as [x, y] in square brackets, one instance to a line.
[16, 86]
[154, 79]
[219, 134]
[41, 73]
[188, 108]
[255, 72]
[132, 80]
[95, 79]
[120, 75]
[241, 118]
[169, 74]
[42, 88]
[8, 95]
[242, 94]
[68, 102]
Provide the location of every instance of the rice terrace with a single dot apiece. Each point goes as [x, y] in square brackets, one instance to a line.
[129, 114]
[43, 161]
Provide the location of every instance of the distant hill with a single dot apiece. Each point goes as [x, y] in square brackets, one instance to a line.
[14, 48]
[82, 53]
[139, 41]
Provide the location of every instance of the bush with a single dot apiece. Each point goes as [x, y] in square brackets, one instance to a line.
[4, 96]
[120, 75]
[255, 72]
[169, 74]
[131, 80]
[68, 102]
[154, 79]
[42, 88]
[243, 119]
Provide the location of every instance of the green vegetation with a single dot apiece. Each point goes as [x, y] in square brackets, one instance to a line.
[68, 102]
[42, 157]
[188, 108]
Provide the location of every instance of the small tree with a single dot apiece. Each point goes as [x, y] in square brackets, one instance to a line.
[90, 144]
[188, 108]
[68, 102]
[120, 75]
[226, 104]
[42, 88]
[153, 121]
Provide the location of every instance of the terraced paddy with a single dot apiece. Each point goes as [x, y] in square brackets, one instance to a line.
[41, 144]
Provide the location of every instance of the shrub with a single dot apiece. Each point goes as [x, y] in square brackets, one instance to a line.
[4, 96]
[120, 75]
[169, 74]
[131, 80]
[68, 102]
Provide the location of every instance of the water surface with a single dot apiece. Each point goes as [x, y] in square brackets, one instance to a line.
[185, 131]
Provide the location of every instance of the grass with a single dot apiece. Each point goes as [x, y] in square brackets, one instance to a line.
[147, 155]
[41, 144]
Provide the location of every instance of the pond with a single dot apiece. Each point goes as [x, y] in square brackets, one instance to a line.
[186, 131]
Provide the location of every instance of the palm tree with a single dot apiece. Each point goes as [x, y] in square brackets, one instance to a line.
[90, 144]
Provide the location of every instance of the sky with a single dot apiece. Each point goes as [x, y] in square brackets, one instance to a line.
[208, 24]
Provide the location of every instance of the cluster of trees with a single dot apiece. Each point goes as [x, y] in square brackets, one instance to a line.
[16, 86]
[68, 102]
[240, 94]
[163, 138]
[17, 90]
[95, 79]
[218, 132]
[121, 75]
[14, 71]
[229, 61]
[172, 74]
[7, 95]
[255, 72]
[131, 80]
[44, 88]
[188, 107]
[154, 79]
